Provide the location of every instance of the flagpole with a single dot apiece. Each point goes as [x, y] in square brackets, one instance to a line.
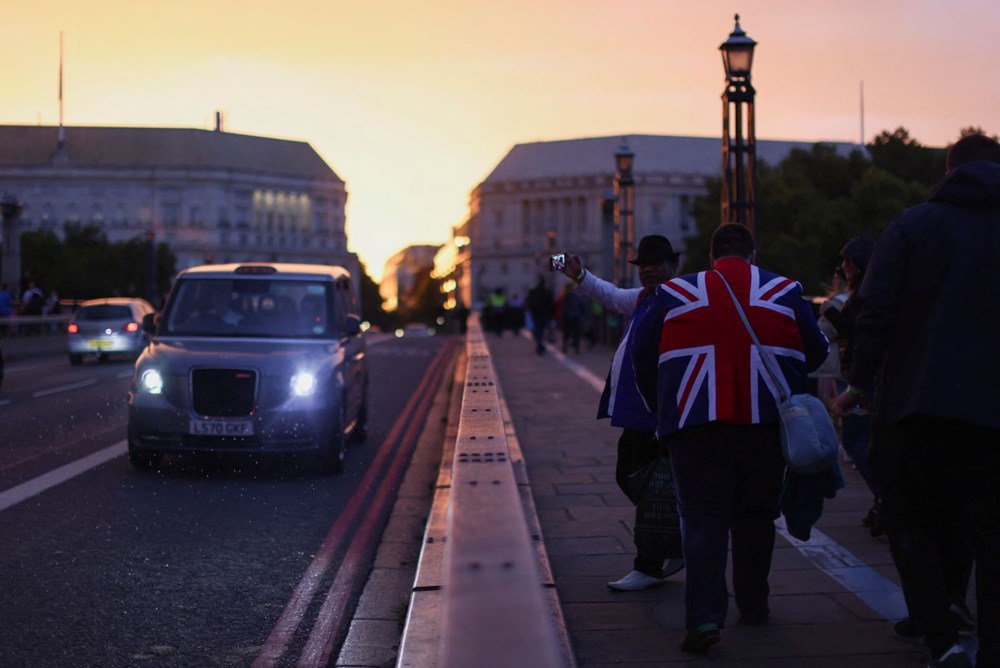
[62, 128]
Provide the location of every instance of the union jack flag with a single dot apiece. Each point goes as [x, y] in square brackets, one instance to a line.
[695, 351]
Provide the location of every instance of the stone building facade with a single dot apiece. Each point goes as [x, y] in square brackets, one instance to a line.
[553, 196]
[212, 196]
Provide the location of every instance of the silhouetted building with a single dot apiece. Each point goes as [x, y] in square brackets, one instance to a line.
[401, 271]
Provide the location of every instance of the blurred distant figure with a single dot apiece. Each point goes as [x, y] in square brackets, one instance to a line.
[462, 316]
[6, 306]
[541, 306]
[32, 300]
[571, 319]
[497, 304]
[6, 301]
[514, 314]
[52, 307]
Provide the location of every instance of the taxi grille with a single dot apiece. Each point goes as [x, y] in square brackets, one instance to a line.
[223, 392]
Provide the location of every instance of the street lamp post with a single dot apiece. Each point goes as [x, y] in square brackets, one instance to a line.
[625, 223]
[739, 150]
[608, 254]
[10, 210]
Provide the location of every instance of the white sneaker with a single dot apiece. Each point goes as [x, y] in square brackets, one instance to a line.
[636, 581]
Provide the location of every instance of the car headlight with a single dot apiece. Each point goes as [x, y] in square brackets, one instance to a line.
[152, 381]
[303, 384]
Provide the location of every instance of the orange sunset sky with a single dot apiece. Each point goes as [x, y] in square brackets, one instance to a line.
[413, 103]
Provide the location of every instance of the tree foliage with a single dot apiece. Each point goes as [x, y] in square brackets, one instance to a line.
[85, 265]
[371, 301]
[815, 200]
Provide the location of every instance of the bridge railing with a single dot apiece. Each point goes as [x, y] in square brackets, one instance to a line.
[483, 594]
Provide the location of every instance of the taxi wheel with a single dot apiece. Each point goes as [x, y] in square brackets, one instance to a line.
[144, 460]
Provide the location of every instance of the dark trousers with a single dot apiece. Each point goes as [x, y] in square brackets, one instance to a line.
[728, 481]
[656, 530]
[538, 326]
[937, 473]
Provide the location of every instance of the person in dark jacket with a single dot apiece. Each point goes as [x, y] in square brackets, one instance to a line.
[856, 427]
[925, 346]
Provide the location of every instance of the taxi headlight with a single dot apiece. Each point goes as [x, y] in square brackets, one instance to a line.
[303, 384]
[152, 381]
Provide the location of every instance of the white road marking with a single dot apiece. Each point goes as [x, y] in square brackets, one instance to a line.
[64, 388]
[28, 489]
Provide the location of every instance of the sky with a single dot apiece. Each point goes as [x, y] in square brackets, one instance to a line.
[413, 103]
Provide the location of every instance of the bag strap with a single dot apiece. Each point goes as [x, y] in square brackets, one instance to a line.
[778, 381]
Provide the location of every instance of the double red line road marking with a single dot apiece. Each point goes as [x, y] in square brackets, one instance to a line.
[380, 482]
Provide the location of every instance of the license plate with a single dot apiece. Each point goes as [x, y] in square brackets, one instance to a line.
[99, 343]
[222, 427]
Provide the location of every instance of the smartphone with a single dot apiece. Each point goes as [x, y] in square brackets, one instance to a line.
[557, 262]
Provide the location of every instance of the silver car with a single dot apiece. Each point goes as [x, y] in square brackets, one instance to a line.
[104, 327]
[251, 358]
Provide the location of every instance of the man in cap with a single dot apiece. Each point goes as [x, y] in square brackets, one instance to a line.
[656, 540]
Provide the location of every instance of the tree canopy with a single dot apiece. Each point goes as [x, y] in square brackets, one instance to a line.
[85, 265]
[815, 200]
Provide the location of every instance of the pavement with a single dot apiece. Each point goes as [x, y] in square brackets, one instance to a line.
[24, 347]
[832, 599]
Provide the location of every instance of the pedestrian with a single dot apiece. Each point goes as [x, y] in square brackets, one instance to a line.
[656, 535]
[497, 308]
[52, 306]
[32, 300]
[828, 375]
[541, 306]
[6, 307]
[856, 426]
[571, 319]
[717, 418]
[925, 353]
[514, 317]
[462, 316]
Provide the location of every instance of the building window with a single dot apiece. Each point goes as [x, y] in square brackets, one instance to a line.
[168, 214]
[685, 213]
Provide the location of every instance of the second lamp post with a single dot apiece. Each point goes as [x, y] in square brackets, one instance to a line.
[625, 220]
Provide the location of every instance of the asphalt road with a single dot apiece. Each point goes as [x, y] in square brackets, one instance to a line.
[189, 567]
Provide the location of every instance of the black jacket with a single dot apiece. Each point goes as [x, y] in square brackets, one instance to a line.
[930, 325]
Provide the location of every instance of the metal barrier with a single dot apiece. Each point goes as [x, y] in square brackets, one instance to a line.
[14, 325]
[483, 595]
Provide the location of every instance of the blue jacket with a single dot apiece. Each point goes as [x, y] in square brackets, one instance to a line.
[620, 400]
